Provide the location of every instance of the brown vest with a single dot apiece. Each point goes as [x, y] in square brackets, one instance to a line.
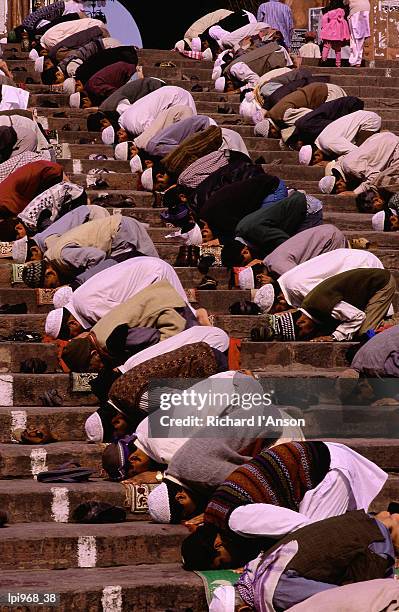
[336, 550]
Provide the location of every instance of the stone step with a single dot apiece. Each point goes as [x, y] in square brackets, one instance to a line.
[120, 588]
[259, 355]
[66, 423]
[27, 390]
[65, 546]
[26, 461]
[13, 354]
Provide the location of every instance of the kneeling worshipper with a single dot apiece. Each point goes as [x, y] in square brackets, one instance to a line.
[317, 479]
[379, 356]
[85, 246]
[31, 248]
[313, 559]
[18, 161]
[340, 308]
[127, 395]
[59, 33]
[259, 233]
[107, 289]
[151, 316]
[29, 134]
[131, 92]
[356, 172]
[339, 138]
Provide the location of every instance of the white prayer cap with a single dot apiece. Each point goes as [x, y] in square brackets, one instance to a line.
[246, 279]
[247, 108]
[326, 184]
[20, 250]
[68, 86]
[223, 599]
[39, 64]
[54, 322]
[220, 84]
[136, 165]
[122, 151]
[378, 221]
[33, 55]
[147, 180]
[74, 100]
[305, 155]
[179, 45]
[196, 44]
[264, 298]
[207, 55]
[194, 236]
[62, 296]
[158, 504]
[108, 135]
[262, 128]
[217, 72]
[94, 428]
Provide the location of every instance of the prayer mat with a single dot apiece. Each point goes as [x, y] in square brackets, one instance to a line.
[136, 496]
[216, 251]
[213, 579]
[81, 381]
[6, 249]
[192, 295]
[16, 273]
[44, 297]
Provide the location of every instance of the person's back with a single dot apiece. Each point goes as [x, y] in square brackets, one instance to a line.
[278, 16]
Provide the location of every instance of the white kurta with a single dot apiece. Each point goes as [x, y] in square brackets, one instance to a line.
[139, 115]
[61, 31]
[298, 282]
[337, 138]
[215, 337]
[115, 285]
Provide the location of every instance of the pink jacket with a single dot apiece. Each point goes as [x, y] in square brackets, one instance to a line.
[334, 26]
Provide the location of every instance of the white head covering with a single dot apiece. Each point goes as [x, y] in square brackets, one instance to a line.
[264, 298]
[179, 45]
[223, 600]
[262, 128]
[136, 165]
[326, 184]
[246, 279]
[39, 64]
[305, 155]
[108, 135]
[194, 236]
[122, 151]
[94, 428]
[378, 221]
[158, 504]
[68, 86]
[196, 44]
[62, 296]
[146, 180]
[248, 108]
[160, 450]
[54, 322]
[207, 55]
[74, 100]
[33, 55]
[20, 250]
[220, 84]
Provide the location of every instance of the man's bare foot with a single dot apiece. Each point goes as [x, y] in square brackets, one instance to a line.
[202, 317]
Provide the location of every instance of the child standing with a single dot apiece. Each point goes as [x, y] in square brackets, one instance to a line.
[334, 30]
[310, 49]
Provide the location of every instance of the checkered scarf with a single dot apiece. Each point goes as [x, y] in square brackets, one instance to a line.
[199, 170]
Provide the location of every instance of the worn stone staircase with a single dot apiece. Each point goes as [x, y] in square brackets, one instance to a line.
[135, 566]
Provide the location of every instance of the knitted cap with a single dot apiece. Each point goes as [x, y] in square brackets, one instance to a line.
[62, 296]
[136, 165]
[20, 250]
[162, 505]
[122, 151]
[264, 298]
[327, 184]
[68, 86]
[305, 155]
[246, 279]
[378, 221]
[147, 180]
[108, 135]
[94, 428]
[54, 322]
[262, 128]
[33, 274]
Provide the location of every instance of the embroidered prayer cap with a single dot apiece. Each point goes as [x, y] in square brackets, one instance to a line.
[147, 180]
[327, 184]
[68, 86]
[54, 322]
[122, 151]
[262, 128]
[136, 165]
[62, 296]
[20, 250]
[74, 100]
[274, 327]
[223, 599]
[305, 155]
[264, 298]
[33, 274]
[162, 505]
[246, 278]
[39, 64]
[76, 354]
[108, 135]
[94, 428]
[220, 84]
[33, 55]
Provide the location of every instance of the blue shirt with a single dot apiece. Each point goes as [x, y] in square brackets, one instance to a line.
[279, 17]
